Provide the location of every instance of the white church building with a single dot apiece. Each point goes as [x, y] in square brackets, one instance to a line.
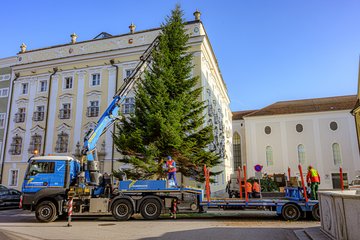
[319, 132]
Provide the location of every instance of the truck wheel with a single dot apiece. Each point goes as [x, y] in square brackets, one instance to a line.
[122, 210]
[316, 212]
[150, 209]
[291, 212]
[46, 212]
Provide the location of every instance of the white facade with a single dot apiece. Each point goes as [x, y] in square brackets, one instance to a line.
[79, 62]
[285, 145]
[218, 114]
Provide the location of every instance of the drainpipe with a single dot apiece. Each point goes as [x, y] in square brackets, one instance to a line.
[55, 69]
[17, 75]
[112, 62]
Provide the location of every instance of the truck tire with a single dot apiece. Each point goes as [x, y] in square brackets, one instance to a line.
[122, 210]
[291, 212]
[46, 212]
[316, 212]
[150, 209]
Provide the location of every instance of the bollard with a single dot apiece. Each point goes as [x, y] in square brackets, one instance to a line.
[70, 208]
[174, 207]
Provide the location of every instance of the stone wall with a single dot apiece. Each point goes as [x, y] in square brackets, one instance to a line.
[340, 214]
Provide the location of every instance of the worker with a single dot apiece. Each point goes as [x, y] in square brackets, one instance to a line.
[171, 169]
[256, 189]
[248, 189]
[313, 179]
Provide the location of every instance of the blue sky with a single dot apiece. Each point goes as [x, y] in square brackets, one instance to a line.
[268, 50]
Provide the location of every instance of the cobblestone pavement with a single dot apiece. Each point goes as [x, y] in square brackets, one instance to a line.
[223, 225]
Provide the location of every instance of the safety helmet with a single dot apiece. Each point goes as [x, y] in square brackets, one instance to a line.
[169, 157]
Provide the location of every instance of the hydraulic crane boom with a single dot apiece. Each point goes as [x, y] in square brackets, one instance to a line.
[110, 115]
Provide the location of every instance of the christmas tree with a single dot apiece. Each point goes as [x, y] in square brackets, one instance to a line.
[169, 115]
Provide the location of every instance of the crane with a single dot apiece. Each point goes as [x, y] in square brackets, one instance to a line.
[89, 173]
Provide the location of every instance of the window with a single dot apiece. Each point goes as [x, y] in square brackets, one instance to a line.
[210, 109]
[128, 106]
[237, 150]
[43, 86]
[5, 77]
[68, 82]
[14, 177]
[333, 126]
[62, 143]
[15, 147]
[39, 113]
[65, 112]
[267, 130]
[269, 156]
[41, 167]
[93, 109]
[95, 79]
[24, 88]
[335, 177]
[2, 120]
[299, 128]
[20, 115]
[301, 154]
[4, 92]
[128, 72]
[35, 144]
[336, 154]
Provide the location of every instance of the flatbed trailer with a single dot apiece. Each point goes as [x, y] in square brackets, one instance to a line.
[294, 205]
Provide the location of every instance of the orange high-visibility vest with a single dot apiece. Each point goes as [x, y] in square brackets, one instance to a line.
[256, 187]
[248, 187]
[313, 176]
[171, 163]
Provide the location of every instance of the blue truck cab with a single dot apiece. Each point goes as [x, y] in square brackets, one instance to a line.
[47, 180]
[49, 172]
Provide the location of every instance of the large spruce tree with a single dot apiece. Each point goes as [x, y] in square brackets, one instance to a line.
[168, 117]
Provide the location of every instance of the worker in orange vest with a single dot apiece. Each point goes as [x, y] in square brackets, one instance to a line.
[256, 189]
[171, 169]
[248, 189]
[313, 179]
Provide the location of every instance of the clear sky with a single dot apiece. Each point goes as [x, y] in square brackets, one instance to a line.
[268, 50]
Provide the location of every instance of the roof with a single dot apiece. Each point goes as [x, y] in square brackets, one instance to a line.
[99, 39]
[308, 106]
[240, 114]
[67, 158]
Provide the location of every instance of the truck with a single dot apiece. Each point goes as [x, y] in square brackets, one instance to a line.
[55, 186]
[52, 182]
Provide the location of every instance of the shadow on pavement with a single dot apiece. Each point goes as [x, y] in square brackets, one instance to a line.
[230, 234]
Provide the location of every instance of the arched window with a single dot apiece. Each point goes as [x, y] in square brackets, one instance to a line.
[301, 154]
[269, 156]
[336, 154]
[237, 150]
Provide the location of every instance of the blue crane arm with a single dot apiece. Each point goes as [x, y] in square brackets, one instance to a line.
[111, 114]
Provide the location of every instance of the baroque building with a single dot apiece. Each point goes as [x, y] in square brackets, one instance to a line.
[318, 132]
[61, 91]
[5, 76]
[356, 110]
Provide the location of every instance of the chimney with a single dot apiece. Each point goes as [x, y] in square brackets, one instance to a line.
[197, 15]
[73, 38]
[132, 28]
[23, 48]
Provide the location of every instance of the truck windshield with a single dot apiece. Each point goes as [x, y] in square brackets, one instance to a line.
[41, 167]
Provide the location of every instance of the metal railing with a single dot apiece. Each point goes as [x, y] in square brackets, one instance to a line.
[38, 116]
[92, 112]
[64, 113]
[19, 117]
